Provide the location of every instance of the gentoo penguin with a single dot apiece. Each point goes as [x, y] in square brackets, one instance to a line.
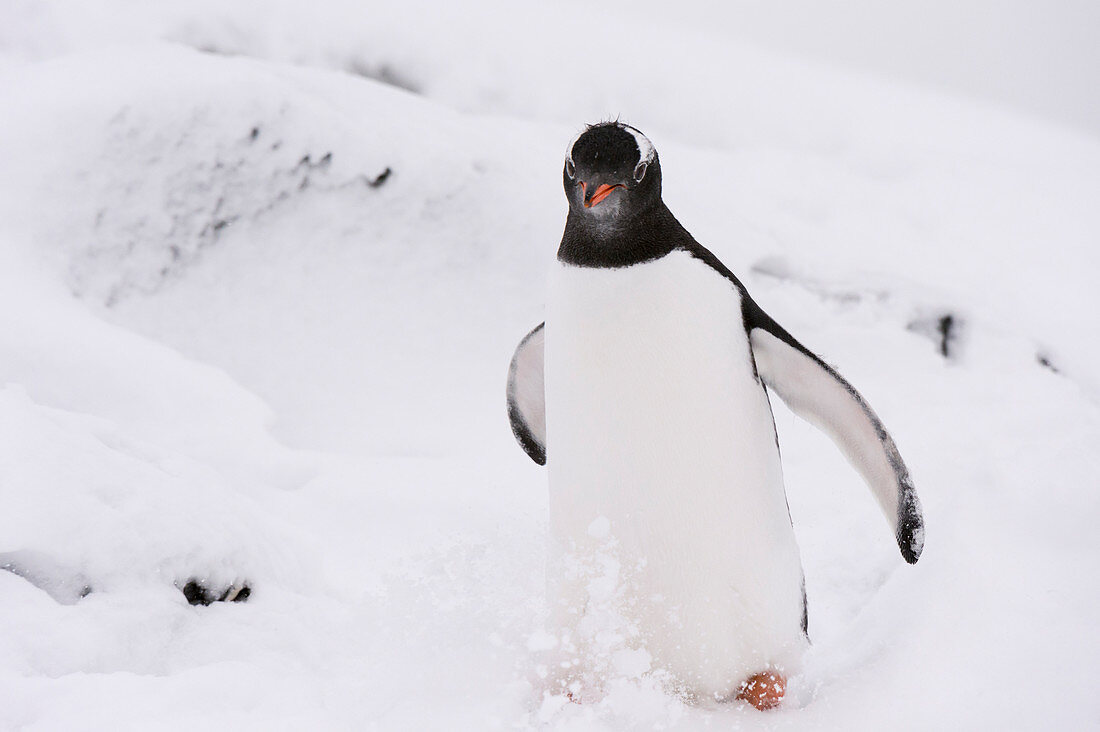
[645, 393]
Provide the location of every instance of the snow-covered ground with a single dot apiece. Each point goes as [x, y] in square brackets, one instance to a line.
[261, 272]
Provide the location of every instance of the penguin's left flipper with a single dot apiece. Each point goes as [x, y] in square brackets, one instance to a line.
[818, 394]
[526, 396]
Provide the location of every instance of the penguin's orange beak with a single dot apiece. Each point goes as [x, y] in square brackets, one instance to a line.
[601, 192]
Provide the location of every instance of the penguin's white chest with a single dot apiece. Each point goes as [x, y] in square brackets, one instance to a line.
[661, 440]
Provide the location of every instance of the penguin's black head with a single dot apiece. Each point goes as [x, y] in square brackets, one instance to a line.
[611, 173]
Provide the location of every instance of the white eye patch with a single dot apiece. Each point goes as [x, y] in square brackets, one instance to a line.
[646, 151]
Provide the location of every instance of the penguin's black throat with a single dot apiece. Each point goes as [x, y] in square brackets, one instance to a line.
[612, 180]
[622, 240]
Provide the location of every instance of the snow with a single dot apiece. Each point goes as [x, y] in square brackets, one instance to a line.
[233, 349]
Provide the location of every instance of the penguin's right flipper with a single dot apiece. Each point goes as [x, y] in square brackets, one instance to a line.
[821, 396]
[526, 397]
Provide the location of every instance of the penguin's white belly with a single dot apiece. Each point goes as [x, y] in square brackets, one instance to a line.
[661, 440]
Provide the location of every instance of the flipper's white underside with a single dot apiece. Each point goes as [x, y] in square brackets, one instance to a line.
[526, 395]
[821, 397]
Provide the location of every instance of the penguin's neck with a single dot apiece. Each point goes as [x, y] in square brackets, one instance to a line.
[609, 244]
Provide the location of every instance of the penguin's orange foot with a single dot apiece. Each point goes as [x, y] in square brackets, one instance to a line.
[764, 690]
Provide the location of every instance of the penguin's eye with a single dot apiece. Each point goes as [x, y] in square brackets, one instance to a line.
[639, 171]
[570, 169]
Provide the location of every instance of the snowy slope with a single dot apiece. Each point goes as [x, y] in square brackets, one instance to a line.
[235, 349]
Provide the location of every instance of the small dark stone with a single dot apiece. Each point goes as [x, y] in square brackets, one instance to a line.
[1046, 363]
[945, 326]
[380, 178]
[254, 134]
[196, 594]
[944, 330]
